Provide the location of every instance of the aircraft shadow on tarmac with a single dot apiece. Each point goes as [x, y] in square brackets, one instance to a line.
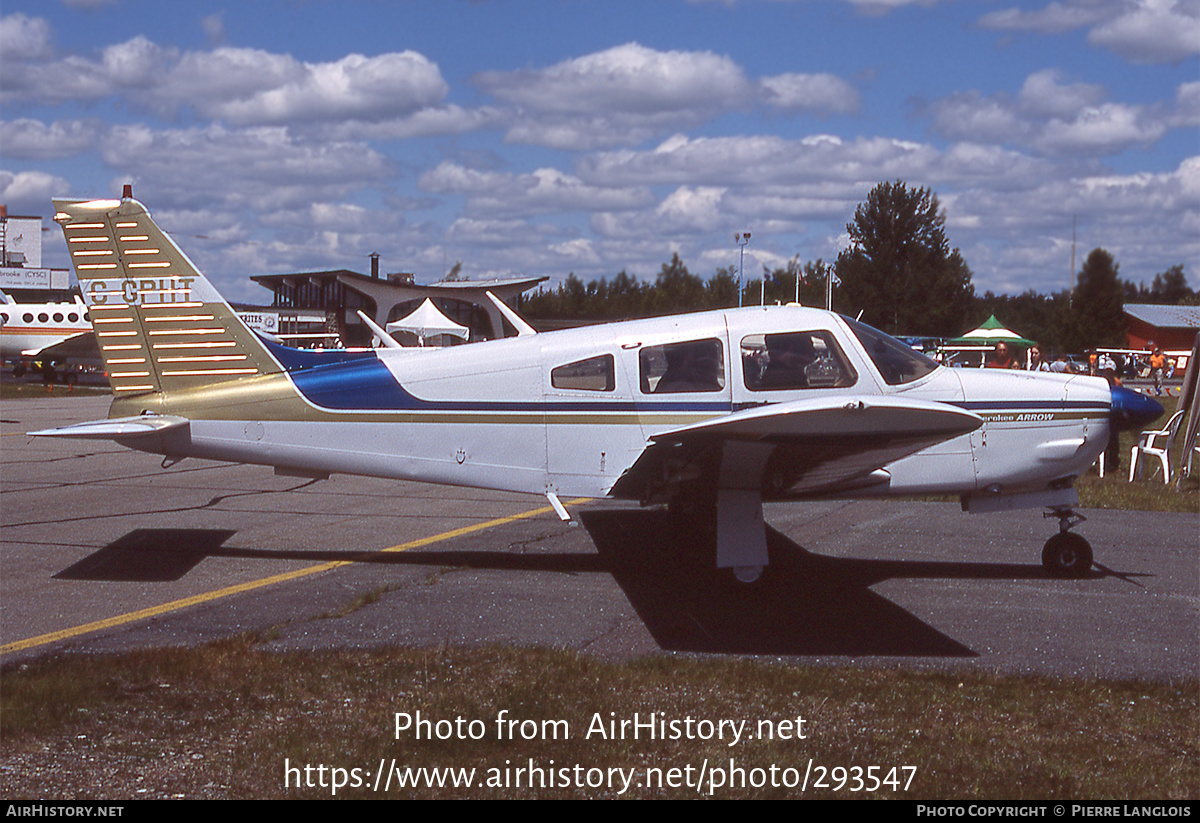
[804, 604]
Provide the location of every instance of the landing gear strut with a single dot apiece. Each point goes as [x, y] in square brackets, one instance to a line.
[1066, 554]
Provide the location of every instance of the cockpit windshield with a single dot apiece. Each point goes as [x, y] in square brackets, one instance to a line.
[897, 363]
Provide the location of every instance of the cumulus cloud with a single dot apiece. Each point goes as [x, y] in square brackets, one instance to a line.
[618, 96]
[629, 78]
[973, 116]
[427, 122]
[760, 160]
[543, 191]
[815, 92]
[23, 38]
[1144, 31]
[1015, 239]
[1102, 129]
[1050, 116]
[33, 140]
[631, 93]
[1187, 106]
[692, 209]
[28, 192]
[253, 87]
[1054, 18]
[875, 8]
[1154, 31]
[1044, 94]
[240, 86]
[262, 167]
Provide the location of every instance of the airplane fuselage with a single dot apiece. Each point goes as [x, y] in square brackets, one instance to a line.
[27, 328]
[571, 411]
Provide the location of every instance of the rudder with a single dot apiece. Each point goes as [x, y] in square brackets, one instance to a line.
[160, 325]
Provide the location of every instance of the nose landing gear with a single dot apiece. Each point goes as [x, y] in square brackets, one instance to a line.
[1065, 554]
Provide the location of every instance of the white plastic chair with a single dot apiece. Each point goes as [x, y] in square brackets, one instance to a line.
[1148, 445]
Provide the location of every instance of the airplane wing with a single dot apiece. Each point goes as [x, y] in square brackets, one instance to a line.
[81, 346]
[801, 448]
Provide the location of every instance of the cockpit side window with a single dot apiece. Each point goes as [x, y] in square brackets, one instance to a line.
[593, 374]
[795, 360]
[693, 366]
[897, 363]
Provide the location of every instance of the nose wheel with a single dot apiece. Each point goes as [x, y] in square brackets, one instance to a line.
[1065, 554]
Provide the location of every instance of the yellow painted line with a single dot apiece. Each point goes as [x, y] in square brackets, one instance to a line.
[183, 603]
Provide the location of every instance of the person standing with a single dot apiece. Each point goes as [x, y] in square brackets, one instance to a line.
[1002, 360]
[1158, 365]
[1036, 363]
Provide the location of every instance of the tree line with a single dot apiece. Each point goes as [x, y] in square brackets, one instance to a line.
[899, 271]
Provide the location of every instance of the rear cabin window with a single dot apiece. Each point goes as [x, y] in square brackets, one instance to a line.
[795, 360]
[593, 374]
[693, 366]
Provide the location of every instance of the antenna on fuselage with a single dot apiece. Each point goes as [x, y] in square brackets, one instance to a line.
[523, 328]
[385, 338]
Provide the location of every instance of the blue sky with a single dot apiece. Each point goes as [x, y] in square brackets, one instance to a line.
[544, 137]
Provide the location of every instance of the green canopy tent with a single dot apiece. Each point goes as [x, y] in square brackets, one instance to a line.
[991, 332]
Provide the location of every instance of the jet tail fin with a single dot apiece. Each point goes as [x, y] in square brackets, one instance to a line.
[160, 324]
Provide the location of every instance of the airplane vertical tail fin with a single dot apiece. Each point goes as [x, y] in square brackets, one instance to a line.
[160, 324]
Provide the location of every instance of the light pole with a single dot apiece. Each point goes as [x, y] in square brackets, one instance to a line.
[741, 238]
[831, 280]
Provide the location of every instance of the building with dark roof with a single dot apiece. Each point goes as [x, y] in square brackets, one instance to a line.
[1171, 328]
[341, 294]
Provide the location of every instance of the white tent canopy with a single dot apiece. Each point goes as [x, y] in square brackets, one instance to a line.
[428, 321]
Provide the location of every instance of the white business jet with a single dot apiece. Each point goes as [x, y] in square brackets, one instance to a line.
[710, 413]
[50, 332]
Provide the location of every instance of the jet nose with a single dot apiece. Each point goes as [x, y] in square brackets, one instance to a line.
[1132, 410]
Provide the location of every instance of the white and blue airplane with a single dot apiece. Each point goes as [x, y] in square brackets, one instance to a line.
[710, 413]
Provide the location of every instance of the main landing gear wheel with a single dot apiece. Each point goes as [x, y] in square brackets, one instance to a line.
[1067, 555]
[747, 574]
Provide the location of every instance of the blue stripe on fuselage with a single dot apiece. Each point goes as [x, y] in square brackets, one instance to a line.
[1029, 405]
[360, 383]
[353, 385]
[295, 359]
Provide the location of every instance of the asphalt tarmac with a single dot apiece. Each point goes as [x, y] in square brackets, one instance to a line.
[103, 549]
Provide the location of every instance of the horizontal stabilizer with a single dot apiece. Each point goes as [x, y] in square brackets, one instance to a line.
[118, 428]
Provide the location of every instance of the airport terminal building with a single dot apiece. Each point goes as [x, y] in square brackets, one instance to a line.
[320, 308]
